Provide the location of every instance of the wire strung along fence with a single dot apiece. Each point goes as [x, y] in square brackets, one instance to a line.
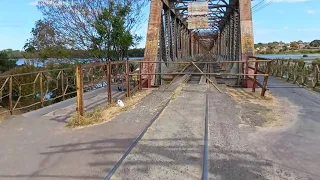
[21, 93]
[301, 72]
[29, 91]
[114, 75]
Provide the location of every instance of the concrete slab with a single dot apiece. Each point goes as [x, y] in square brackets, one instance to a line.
[40, 147]
[173, 146]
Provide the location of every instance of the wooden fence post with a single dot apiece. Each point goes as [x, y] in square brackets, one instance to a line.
[79, 84]
[62, 84]
[41, 89]
[140, 76]
[109, 82]
[10, 95]
[128, 78]
[265, 80]
[255, 77]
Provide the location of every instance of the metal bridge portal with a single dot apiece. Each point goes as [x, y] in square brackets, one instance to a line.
[182, 30]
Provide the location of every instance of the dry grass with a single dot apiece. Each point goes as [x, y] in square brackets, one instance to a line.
[3, 114]
[272, 111]
[178, 91]
[2, 117]
[103, 115]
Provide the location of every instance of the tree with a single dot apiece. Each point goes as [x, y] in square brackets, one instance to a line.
[272, 45]
[113, 39]
[284, 48]
[5, 63]
[315, 43]
[92, 25]
[294, 45]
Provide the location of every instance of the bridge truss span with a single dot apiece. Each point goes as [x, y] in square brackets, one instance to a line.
[177, 33]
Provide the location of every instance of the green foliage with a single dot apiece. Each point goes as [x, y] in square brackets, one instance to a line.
[139, 52]
[5, 62]
[13, 54]
[113, 40]
[315, 43]
[316, 62]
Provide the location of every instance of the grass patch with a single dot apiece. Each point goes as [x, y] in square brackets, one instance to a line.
[103, 115]
[272, 111]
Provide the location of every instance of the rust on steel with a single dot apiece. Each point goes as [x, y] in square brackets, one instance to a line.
[153, 34]
[247, 41]
[198, 15]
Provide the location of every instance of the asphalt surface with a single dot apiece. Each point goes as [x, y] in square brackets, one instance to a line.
[296, 147]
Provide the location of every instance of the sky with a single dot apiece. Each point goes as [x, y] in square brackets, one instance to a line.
[281, 20]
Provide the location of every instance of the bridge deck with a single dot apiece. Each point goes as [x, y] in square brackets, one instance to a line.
[240, 147]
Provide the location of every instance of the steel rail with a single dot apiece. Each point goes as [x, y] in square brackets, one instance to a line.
[206, 139]
[136, 141]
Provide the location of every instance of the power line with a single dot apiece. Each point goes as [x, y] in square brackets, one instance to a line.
[259, 4]
[263, 6]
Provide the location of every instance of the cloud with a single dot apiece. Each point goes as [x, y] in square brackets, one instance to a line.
[287, 1]
[310, 11]
[286, 28]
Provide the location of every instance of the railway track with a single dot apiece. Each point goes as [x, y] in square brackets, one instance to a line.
[193, 79]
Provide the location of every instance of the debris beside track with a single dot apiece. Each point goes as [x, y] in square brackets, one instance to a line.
[104, 115]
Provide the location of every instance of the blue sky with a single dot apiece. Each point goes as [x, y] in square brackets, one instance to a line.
[285, 20]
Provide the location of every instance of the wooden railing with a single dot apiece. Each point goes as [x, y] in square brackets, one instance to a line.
[305, 73]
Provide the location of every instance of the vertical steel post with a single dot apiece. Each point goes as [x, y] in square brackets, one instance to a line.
[79, 85]
[152, 40]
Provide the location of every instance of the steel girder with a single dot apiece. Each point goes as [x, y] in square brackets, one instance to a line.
[229, 35]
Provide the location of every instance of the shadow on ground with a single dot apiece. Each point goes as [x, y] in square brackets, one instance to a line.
[226, 164]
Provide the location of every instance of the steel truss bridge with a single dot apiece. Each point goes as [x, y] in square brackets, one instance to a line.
[229, 35]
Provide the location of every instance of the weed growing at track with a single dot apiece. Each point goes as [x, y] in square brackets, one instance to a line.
[103, 115]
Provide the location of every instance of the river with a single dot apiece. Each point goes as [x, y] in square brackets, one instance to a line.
[22, 61]
[270, 56]
[290, 56]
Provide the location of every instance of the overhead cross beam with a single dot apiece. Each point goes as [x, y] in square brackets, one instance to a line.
[229, 34]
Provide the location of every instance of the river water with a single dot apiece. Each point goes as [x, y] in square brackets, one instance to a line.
[22, 61]
[270, 56]
[290, 56]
